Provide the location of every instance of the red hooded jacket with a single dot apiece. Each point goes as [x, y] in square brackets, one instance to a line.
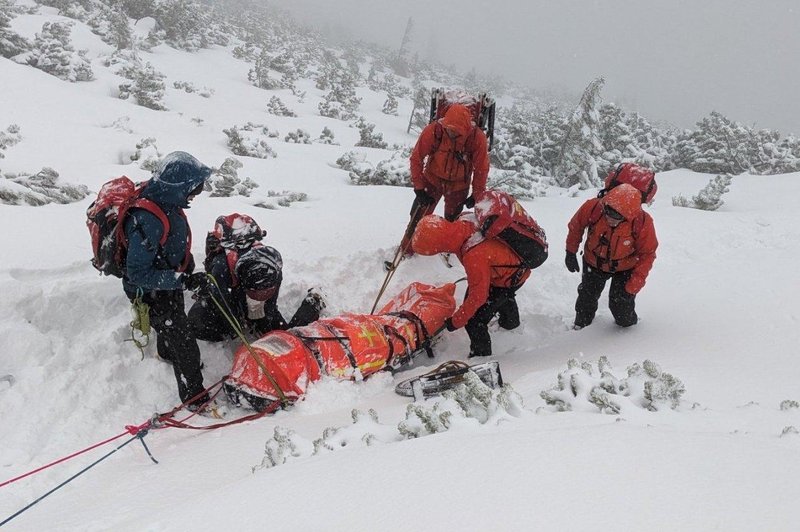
[631, 245]
[450, 163]
[487, 262]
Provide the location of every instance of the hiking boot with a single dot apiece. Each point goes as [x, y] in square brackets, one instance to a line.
[213, 409]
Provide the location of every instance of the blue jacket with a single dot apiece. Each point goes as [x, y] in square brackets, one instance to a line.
[148, 265]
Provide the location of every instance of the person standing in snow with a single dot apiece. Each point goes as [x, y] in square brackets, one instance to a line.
[247, 280]
[450, 155]
[157, 274]
[494, 274]
[620, 245]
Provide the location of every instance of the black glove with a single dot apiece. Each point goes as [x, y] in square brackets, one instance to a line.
[189, 265]
[448, 323]
[196, 281]
[571, 260]
[470, 202]
[423, 198]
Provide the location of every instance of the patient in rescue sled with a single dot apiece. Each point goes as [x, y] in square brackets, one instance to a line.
[279, 366]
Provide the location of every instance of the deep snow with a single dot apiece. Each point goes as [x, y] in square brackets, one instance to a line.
[718, 312]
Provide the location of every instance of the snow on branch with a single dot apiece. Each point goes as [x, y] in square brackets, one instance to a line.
[468, 406]
[583, 387]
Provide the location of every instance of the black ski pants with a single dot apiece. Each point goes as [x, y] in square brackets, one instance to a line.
[502, 302]
[175, 341]
[621, 303]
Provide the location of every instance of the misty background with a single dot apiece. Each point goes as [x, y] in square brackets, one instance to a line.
[674, 61]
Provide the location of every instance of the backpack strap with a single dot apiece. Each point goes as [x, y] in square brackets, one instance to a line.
[438, 134]
[232, 257]
[151, 207]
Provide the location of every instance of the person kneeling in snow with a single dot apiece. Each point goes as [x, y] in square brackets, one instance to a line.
[247, 279]
[621, 246]
[494, 274]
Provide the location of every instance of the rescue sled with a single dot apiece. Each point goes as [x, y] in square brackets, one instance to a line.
[348, 347]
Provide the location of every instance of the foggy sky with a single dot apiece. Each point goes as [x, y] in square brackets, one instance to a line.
[670, 60]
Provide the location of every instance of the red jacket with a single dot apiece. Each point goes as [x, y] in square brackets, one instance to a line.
[434, 160]
[629, 246]
[487, 262]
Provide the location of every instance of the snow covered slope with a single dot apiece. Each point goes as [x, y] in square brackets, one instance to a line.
[719, 312]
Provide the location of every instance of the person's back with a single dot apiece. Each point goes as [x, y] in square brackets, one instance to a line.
[494, 274]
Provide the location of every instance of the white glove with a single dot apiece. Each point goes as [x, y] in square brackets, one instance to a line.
[255, 308]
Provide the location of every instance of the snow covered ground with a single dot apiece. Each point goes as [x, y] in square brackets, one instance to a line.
[719, 312]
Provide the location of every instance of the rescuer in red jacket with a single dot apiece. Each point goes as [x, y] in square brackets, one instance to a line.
[620, 245]
[450, 155]
[494, 275]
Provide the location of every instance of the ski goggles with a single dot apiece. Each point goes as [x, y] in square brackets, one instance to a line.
[610, 212]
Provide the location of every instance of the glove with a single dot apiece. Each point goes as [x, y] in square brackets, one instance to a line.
[196, 281]
[423, 198]
[189, 265]
[571, 260]
[448, 323]
[470, 202]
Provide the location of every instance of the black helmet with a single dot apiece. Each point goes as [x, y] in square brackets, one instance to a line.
[260, 268]
[237, 231]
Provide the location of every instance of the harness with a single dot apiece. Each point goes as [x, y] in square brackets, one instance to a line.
[606, 241]
[454, 159]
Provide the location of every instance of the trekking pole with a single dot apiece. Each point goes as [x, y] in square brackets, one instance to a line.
[398, 255]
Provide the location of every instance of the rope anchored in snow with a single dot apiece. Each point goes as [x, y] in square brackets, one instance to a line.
[137, 432]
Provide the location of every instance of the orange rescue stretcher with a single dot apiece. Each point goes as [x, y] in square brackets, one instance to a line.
[351, 346]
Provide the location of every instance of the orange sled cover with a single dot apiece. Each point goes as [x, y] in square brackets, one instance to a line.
[351, 346]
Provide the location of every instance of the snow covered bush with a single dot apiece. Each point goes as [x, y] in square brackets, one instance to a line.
[788, 404]
[356, 164]
[259, 75]
[39, 189]
[11, 43]
[283, 198]
[189, 88]
[519, 186]
[326, 137]
[390, 106]
[708, 199]
[341, 101]
[368, 138]
[300, 136]
[582, 387]
[146, 86]
[392, 171]
[147, 154]
[9, 138]
[420, 112]
[278, 108]
[53, 53]
[225, 180]
[248, 140]
[186, 25]
[468, 406]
